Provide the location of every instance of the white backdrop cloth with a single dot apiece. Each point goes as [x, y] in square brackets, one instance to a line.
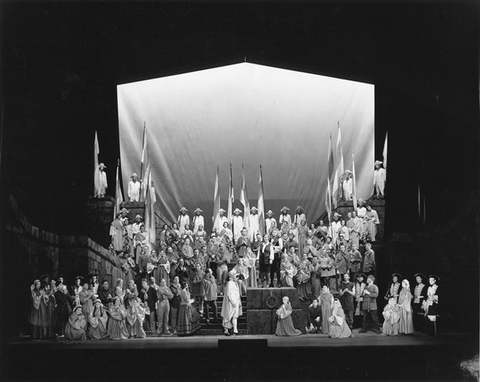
[250, 114]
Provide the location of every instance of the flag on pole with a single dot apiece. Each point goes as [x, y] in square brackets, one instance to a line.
[354, 184]
[385, 148]
[144, 163]
[328, 191]
[231, 198]
[216, 204]
[150, 200]
[244, 201]
[96, 171]
[339, 170]
[261, 204]
[118, 193]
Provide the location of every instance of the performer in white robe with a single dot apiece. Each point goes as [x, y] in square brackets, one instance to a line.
[221, 220]
[379, 179]
[347, 185]
[134, 188]
[232, 305]
[237, 223]
[198, 220]
[103, 184]
[285, 219]
[254, 223]
[183, 220]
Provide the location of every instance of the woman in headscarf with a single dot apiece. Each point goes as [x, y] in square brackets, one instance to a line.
[391, 314]
[50, 290]
[75, 329]
[287, 272]
[135, 318]
[232, 305]
[38, 314]
[338, 325]
[285, 326]
[98, 321]
[326, 300]
[119, 292]
[117, 329]
[405, 303]
[188, 317]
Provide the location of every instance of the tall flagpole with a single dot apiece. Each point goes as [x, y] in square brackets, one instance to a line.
[144, 144]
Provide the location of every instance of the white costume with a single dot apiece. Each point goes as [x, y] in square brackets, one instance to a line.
[348, 189]
[182, 221]
[268, 223]
[134, 191]
[197, 222]
[254, 226]
[285, 219]
[379, 179]
[237, 226]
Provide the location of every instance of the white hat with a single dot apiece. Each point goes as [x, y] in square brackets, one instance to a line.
[183, 209]
[238, 211]
[197, 210]
[254, 208]
[102, 165]
[379, 162]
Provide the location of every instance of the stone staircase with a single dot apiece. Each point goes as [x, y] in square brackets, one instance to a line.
[216, 328]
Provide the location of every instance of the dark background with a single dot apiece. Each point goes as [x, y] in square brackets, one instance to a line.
[61, 62]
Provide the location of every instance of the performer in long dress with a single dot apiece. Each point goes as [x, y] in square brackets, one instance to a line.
[405, 303]
[338, 325]
[75, 329]
[135, 318]
[116, 326]
[302, 231]
[232, 305]
[243, 244]
[98, 321]
[379, 179]
[304, 284]
[285, 326]
[371, 222]
[326, 301]
[287, 272]
[391, 314]
[103, 185]
[117, 231]
[188, 317]
[38, 315]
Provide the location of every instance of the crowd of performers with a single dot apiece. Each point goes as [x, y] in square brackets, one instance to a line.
[166, 291]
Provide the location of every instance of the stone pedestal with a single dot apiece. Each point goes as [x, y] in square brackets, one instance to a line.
[262, 304]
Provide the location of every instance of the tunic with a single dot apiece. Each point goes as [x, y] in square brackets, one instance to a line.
[285, 326]
[342, 263]
[237, 226]
[355, 261]
[75, 328]
[326, 265]
[347, 299]
[371, 221]
[304, 286]
[379, 178]
[431, 304]
[135, 318]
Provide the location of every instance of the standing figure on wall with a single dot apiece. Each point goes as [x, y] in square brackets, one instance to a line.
[116, 232]
[379, 179]
[237, 224]
[347, 185]
[254, 223]
[134, 188]
[103, 185]
[371, 221]
[285, 220]
[183, 220]
[198, 220]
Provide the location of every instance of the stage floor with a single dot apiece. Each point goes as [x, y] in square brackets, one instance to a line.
[306, 340]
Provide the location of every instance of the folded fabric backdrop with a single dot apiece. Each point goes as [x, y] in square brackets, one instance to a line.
[245, 114]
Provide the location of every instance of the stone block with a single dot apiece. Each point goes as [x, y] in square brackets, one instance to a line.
[259, 321]
[254, 298]
[292, 295]
[275, 302]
